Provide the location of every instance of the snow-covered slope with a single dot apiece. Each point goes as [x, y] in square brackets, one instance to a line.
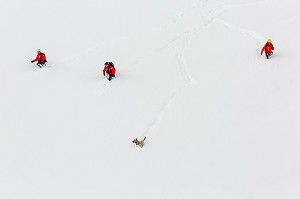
[221, 121]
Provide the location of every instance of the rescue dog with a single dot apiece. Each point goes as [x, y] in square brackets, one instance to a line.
[139, 142]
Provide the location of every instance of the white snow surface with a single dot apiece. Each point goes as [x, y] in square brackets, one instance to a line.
[222, 121]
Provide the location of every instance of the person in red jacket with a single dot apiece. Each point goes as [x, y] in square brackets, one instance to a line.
[109, 69]
[268, 48]
[40, 58]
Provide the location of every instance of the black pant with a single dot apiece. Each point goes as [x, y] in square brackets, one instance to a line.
[110, 76]
[42, 62]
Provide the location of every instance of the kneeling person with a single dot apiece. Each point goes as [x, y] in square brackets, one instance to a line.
[109, 69]
[40, 58]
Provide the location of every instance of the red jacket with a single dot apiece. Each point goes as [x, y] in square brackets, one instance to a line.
[40, 57]
[109, 70]
[267, 48]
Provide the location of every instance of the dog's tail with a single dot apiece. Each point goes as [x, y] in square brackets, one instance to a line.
[144, 139]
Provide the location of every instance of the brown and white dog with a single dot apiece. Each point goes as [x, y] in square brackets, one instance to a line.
[139, 142]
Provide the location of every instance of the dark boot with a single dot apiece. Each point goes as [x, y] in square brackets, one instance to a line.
[42, 63]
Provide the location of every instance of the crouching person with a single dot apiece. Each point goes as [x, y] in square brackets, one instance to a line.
[109, 70]
[40, 58]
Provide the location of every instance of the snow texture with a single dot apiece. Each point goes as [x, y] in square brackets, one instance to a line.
[222, 121]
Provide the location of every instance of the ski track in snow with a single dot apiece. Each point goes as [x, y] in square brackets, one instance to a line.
[249, 33]
[160, 114]
[73, 56]
[187, 81]
[153, 52]
[212, 14]
[177, 44]
[182, 62]
[185, 37]
[207, 20]
[285, 22]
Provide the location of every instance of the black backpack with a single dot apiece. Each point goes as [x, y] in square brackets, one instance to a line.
[43, 55]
